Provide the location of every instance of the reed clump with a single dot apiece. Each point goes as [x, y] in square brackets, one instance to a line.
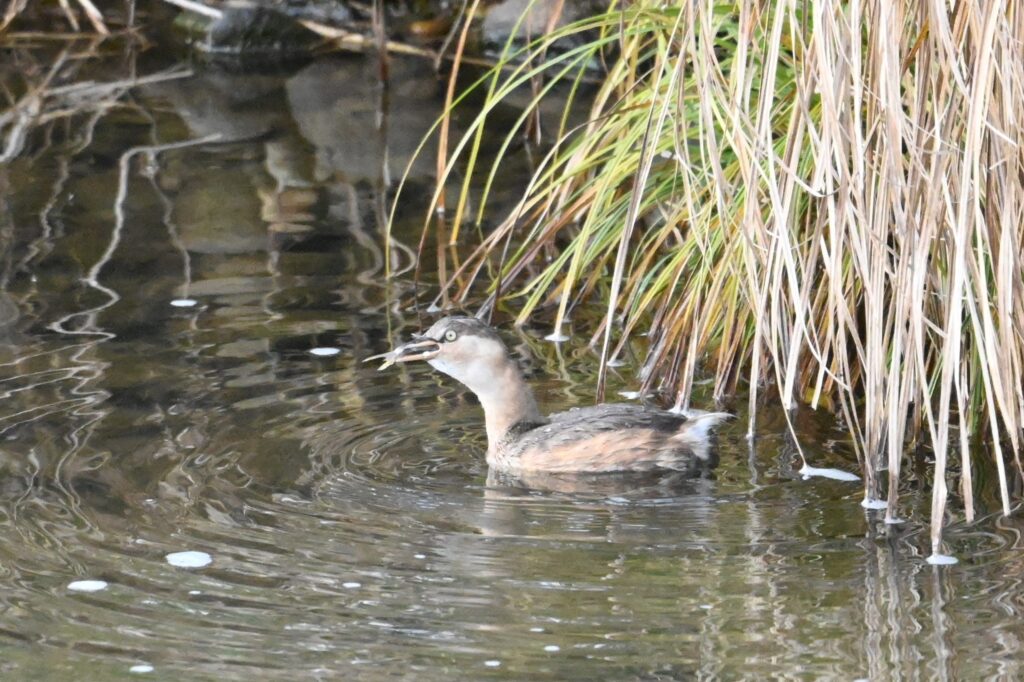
[824, 196]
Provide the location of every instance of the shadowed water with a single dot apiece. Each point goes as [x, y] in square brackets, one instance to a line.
[158, 305]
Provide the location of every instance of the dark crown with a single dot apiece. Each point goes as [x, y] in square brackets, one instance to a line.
[463, 326]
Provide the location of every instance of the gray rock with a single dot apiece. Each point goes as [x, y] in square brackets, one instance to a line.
[500, 20]
[251, 29]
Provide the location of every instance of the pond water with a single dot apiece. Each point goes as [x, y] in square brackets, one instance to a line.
[188, 492]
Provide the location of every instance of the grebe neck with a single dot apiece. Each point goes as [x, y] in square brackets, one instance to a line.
[508, 405]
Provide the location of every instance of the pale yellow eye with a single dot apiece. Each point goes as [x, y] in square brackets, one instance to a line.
[450, 335]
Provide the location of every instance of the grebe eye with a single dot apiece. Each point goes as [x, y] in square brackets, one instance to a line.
[450, 335]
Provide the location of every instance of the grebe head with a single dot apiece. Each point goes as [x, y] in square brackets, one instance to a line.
[464, 348]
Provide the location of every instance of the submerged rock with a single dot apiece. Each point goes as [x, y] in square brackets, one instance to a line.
[255, 30]
[501, 20]
[332, 12]
[507, 18]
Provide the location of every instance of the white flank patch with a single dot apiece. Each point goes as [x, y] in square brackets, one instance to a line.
[834, 474]
[189, 559]
[87, 585]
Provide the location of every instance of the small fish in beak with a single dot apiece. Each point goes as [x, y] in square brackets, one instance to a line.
[420, 349]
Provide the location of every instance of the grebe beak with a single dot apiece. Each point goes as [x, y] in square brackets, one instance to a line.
[421, 349]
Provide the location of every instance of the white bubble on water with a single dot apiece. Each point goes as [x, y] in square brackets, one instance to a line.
[189, 559]
[87, 585]
[808, 471]
[551, 648]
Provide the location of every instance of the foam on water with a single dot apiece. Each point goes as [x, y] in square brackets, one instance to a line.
[808, 471]
[189, 559]
[87, 585]
[871, 503]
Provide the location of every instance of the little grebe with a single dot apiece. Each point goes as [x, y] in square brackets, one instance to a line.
[598, 439]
